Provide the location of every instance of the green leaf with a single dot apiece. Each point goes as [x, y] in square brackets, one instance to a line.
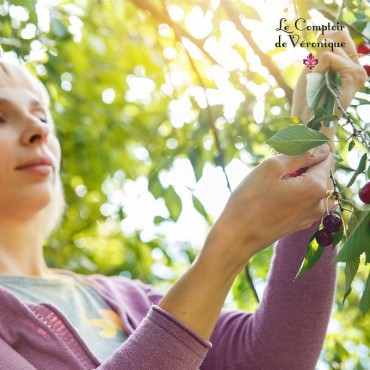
[313, 253]
[365, 298]
[197, 162]
[295, 140]
[351, 145]
[361, 168]
[315, 123]
[315, 88]
[199, 207]
[337, 158]
[349, 4]
[158, 219]
[173, 203]
[315, 120]
[154, 185]
[58, 28]
[357, 240]
[350, 272]
[302, 9]
[338, 236]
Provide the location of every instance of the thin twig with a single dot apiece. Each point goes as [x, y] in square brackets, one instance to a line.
[265, 59]
[220, 152]
[356, 133]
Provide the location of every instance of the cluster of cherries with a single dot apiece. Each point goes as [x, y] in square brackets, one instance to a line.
[364, 49]
[333, 222]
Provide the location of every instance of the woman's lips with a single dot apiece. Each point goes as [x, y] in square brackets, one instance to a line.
[39, 169]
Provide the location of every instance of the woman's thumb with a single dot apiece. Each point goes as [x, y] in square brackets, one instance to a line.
[295, 165]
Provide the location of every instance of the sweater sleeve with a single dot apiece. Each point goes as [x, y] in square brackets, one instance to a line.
[10, 359]
[160, 342]
[288, 329]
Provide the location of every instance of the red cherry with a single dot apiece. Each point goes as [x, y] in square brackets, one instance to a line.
[365, 193]
[363, 48]
[367, 69]
[324, 238]
[332, 222]
[297, 173]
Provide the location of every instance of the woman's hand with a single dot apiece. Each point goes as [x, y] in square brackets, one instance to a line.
[342, 60]
[266, 206]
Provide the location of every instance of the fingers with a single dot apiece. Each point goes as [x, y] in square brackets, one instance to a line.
[289, 164]
[342, 37]
[317, 177]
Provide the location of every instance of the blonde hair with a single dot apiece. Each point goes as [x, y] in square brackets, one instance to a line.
[17, 76]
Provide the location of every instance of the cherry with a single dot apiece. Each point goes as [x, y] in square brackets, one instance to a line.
[363, 48]
[332, 223]
[367, 69]
[365, 193]
[297, 173]
[324, 238]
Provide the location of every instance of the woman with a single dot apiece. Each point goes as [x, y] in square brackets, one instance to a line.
[54, 319]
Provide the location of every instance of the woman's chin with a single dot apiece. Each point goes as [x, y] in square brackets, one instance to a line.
[31, 204]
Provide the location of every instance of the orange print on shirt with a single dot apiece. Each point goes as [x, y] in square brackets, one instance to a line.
[109, 322]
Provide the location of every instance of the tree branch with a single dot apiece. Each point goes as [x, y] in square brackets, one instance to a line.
[265, 59]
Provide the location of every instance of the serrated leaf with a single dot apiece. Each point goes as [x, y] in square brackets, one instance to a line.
[173, 203]
[295, 140]
[365, 298]
[313, 253]
[315, 88]
[361, 168]
[350, 272]
[357, 240]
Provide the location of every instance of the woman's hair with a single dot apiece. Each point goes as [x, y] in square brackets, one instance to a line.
[17, 76]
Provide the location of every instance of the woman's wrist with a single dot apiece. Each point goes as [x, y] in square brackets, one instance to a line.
[225, 253]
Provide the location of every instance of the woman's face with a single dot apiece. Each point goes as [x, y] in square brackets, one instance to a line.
[29, 153]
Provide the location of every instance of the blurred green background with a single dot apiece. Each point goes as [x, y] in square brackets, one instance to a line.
[154, 102]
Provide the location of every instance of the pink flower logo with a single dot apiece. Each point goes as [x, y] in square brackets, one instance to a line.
[310, 61]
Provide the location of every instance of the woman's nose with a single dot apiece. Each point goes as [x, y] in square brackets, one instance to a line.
[36, 131]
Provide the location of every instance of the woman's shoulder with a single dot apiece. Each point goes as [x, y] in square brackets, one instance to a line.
[116, 284]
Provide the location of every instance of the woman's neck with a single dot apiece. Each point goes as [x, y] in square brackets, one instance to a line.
[21, 249]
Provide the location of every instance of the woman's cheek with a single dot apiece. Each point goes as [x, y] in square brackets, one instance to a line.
[56, 150]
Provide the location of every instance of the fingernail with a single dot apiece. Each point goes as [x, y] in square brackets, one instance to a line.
[323, 149]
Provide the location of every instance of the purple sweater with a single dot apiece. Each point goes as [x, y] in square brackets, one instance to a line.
[286, 332]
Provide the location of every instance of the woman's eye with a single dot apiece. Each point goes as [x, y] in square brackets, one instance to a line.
[42, 119]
